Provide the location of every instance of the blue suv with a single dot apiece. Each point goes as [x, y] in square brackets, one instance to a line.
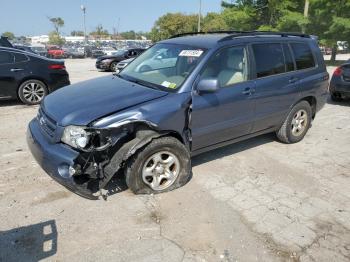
[183, 96]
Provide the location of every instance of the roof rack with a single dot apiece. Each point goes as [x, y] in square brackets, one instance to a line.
[263, 33]
[205, 33]
[233, 34]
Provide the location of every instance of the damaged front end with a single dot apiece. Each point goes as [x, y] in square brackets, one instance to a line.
[106, 155]
[87, 170]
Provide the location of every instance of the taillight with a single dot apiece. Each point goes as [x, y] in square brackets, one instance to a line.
[55, 66]
[338, 71]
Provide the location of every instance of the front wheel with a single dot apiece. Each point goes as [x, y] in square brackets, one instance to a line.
[31, 92]
[113, 67]
[161, 166]
[297, 124]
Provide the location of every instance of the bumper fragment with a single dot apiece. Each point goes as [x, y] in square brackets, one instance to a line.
[55, 159]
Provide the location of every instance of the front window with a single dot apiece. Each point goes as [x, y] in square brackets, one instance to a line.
[163, 66]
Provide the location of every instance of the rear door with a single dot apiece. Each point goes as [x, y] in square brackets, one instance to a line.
[8, 81]
[229, 112]
[276, 83]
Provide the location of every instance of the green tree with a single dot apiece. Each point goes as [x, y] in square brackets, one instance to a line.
[77, 33]
[131, 35]
[100, 32]
[330, 20]
[173, 23]
[9, 35]
[57, 23]
[56, 39]
[214, 22]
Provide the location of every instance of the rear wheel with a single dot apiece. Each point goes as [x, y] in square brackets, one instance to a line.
[161, 166]
[296, 124]
[336, 97]
[31, 92]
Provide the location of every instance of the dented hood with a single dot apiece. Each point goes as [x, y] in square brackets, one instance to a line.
[84, 102]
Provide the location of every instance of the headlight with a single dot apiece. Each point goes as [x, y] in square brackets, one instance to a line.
[75, 136]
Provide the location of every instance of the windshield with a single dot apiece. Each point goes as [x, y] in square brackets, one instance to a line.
[164, 66]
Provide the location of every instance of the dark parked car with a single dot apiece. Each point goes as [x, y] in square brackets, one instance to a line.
[95, 53]
[219, 89]
[109, 62]
[28, 76]
[340, 82]
[74, 52]
[40, 50]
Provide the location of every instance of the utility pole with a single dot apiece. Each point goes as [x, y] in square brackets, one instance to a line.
[306, 8]
[83, 8]
[199, 15]
[306, 12]
[118, 27]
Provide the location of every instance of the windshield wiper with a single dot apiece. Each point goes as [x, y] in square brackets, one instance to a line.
[140, 82]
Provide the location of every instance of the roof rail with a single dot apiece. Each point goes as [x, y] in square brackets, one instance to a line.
[233, 34]
[263, 33]
[204, 33]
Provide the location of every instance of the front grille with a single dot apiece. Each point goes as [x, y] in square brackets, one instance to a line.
[47, 124]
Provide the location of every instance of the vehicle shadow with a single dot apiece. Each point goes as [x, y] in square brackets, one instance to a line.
[116, 185]
[6, 103]
[345, 102]
[232, 149]
[29, 243]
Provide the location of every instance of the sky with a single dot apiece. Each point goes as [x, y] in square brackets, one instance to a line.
[29, 17]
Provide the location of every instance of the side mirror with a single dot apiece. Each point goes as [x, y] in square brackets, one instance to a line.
[209, 85]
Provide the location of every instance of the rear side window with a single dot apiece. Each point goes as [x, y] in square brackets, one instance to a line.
[6, 58]
[20, 57]
[269, 59]
[288, 58]
[303, 56]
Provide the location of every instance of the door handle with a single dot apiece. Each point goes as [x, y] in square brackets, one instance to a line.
[16, 69]
[292, 80]
[248, 91]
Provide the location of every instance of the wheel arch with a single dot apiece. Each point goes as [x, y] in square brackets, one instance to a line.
[313, 103]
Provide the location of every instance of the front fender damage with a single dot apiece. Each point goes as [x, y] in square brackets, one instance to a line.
[115, 144]
[95, 167]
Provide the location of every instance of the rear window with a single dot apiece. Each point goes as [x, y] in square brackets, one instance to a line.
[6, 58]
[269, 59]
[303, 56]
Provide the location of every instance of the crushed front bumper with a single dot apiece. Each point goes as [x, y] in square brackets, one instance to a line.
[55, 159]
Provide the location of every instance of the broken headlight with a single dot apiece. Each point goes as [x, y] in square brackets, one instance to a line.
[75, 136]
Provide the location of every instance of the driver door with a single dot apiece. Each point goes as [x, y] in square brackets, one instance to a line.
[228, 112]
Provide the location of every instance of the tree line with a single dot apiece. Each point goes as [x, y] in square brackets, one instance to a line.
[328, 19]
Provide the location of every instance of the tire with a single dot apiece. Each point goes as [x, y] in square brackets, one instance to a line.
[336, 97]
[32, 92]
[140, 179]
[113, 66]
[299, 118]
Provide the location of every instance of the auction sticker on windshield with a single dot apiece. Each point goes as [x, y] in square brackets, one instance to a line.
[194, 53]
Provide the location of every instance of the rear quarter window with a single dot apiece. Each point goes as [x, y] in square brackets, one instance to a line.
[303, 56]
[20, 57]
